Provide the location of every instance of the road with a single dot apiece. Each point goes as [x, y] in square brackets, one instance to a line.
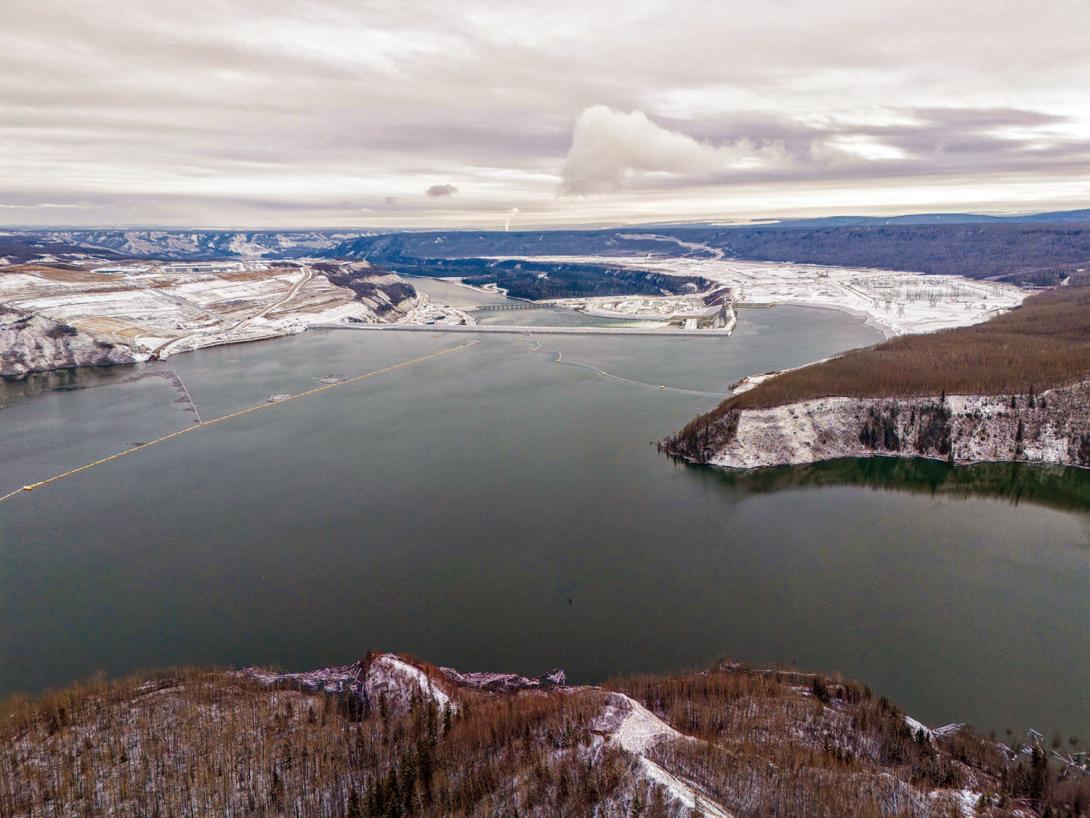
[164, 349]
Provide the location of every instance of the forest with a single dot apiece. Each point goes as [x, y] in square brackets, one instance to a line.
[539, 280]
[1039, 254]
[1032, 252]
[759, 743]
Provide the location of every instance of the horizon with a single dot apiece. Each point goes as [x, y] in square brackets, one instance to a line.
[769, 221]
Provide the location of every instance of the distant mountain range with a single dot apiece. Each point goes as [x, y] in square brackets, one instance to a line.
[1051, 217]
[1039, 248]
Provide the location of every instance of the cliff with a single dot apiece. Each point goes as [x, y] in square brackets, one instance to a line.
[33, 343]
[393, 736]
[1052, 427]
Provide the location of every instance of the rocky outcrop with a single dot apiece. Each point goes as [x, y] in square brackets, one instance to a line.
[389, 296]
[1050, 427]
[399, 680]
[33, 343]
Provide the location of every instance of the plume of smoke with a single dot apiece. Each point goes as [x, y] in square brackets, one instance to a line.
[510, 214]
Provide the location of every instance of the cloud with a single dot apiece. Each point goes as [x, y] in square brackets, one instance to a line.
[51, 206]
[163, 119]
[612, 149]
[439, 191]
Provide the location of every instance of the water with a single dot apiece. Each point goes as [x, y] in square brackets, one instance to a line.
[492, 509]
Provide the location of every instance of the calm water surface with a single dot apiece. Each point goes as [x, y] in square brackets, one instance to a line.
[493, 509]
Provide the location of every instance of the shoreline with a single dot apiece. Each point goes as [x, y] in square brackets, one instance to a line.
[958, 429]
[893, 456]
[869, 319]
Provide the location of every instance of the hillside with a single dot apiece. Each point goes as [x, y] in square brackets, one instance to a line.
[1027, 249]
[62, 315]
[1019, 253]
[833, 408]
[1014, 251]
[390, 736]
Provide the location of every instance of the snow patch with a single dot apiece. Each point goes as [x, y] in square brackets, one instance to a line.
[981, 429]
[637, 730]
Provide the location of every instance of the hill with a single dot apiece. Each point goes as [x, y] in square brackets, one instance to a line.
[391, 736]
[891, 397]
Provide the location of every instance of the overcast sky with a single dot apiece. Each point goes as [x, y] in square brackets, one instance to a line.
[275, 113]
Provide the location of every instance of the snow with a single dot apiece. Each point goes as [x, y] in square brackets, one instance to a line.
[390, 672]
[640, 728]
[242, 246]
[965, 800]
[383, 675]
[982, 429]
[918, 727]
[506, 682]
[637, 730]
[427, 312]
[897, 303]
[162, 309]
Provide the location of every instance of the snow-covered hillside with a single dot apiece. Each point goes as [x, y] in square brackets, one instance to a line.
[391, 735]
[1051, 427]
[136, 311]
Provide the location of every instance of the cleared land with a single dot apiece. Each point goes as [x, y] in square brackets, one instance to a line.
[63, 315]
[895, 302]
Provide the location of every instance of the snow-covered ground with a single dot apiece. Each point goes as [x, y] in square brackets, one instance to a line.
[637, 730]
[443, 315]
[641, 307]
[895, 302]
[150, 309]
[979, 429]
[379, 676]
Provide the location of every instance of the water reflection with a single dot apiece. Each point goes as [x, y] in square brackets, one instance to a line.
[60, 380]
[1058, 487]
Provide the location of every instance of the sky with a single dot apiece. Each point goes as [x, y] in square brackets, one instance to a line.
[278, 113]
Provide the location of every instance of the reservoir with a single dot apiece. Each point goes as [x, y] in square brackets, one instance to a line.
[496, 508]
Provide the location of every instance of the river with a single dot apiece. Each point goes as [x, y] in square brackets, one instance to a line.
[493, 509]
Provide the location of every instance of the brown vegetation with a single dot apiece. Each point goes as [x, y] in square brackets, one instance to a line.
[64, 272]
[1042, 344]
[199, 743]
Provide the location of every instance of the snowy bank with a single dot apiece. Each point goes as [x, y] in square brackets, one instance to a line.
[1052, 427]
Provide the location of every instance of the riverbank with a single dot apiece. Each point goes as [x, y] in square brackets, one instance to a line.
[1012, 388]
[1047, 428]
